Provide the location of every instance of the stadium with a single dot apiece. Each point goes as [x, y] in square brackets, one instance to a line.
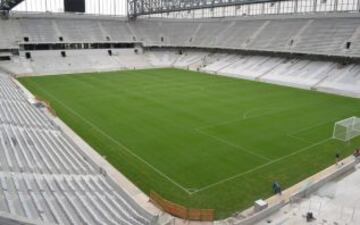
[166, 112]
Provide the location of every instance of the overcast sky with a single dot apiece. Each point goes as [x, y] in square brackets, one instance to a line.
[109, 7]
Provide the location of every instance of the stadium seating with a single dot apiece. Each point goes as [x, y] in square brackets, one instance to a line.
[76, 61]
[147, 32]
[117, 31]
[310, 35]
[190, 60]
[342, 80]
[162, 58]
[239, 34]
[274, 37]
[39, 30]
[45, 178]
[324, 35]
[180, 32]
[327, 36]
[80, 30]
[207, 33]
[301, 73]
[10, 33]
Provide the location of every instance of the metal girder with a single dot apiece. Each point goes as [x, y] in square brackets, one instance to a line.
[147, 7]
[7, 5]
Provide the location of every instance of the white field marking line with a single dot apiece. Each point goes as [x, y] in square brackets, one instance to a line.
[241, 119]
[293, 134]
[117, 142]
[308, 128]
[233, 145]
[251, 117]
[259, 167]
[298, 138]
[245, 114]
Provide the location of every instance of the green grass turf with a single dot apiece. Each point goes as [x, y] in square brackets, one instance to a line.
[200, 140]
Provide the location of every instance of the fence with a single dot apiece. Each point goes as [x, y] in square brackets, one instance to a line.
[181, 211]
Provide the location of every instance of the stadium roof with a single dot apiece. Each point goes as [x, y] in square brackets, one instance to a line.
[147, 7]
[9, 4]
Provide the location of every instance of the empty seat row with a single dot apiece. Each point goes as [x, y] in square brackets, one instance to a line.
[23, 114]
[309, 74]
[40, 151]
[9, 91]
[65, 199]
[72, 30]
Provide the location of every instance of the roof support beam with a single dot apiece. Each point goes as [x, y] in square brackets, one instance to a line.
[7, 5]
[147, 7]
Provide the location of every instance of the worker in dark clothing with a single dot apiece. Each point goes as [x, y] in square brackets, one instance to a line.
[276, 188]
[337, 157]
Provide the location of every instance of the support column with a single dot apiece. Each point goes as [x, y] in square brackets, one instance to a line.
[336, 5]
[296, 6]
[314, 5]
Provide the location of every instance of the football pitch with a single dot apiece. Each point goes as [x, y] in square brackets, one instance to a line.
[201, 140]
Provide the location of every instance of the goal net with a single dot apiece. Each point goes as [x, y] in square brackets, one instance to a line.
[347, 129]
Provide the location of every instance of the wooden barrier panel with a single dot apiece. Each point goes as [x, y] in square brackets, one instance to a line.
[181, 211]
[201, 214]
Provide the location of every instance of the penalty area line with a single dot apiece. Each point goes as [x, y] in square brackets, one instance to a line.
[245, 116]
[233, 145]
[117, 142]
[259, 167]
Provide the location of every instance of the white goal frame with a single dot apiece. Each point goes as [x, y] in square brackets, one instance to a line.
[347, 129]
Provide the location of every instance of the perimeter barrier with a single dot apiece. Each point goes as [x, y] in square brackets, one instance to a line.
[181, 211]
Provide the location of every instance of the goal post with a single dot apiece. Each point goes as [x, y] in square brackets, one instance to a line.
[347, 129]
